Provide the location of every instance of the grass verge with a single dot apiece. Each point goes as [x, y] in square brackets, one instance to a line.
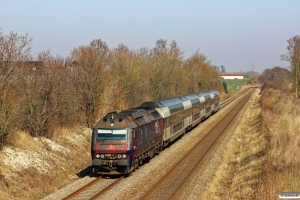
[281, 127]
[238, 175]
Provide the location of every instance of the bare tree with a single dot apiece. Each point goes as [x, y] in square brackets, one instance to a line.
[161, 46]
[13, 49]
[223, 68]
[293, 56]
[88, 77]
[277, 77]
[49, 60]
[38, 102]
[217, 68]
[48, 99]
[202, 75]
[165, 70]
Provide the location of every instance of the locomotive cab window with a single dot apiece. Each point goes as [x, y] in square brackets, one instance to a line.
[111, 134]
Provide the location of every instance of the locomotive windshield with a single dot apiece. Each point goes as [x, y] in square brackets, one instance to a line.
[111, 134]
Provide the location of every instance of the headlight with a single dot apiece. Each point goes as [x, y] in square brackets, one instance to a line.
[97, 156]
[119, 156]
[102, 155]
[124, 155]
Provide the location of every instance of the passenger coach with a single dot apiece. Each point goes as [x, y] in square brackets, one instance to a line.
[181, 113]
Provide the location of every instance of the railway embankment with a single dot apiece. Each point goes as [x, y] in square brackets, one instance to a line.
[241, 167]
[31, 168]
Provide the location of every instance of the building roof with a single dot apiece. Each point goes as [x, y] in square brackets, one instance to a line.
[231, 74]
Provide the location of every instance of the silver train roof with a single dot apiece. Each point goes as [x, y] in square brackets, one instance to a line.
[168, 106]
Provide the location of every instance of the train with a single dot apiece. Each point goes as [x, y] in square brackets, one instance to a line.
[123, 141]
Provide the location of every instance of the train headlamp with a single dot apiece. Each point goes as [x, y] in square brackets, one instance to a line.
[97, 156]
[124, 155]
[102, 156]
[119, 156]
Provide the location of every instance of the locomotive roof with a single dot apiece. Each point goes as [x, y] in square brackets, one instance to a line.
[129, 118]
[119, 120]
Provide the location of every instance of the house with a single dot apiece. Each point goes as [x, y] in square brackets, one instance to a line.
[232, 75]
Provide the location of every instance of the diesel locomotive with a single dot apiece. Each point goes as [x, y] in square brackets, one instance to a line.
[122, 141]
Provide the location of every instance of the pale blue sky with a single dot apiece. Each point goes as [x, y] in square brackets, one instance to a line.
[233, 33]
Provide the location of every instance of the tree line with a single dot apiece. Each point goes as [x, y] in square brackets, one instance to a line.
[52, 92]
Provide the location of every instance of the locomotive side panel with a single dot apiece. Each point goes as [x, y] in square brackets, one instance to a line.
[143, 137]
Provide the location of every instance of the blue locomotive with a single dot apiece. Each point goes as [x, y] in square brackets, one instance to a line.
[122, 141]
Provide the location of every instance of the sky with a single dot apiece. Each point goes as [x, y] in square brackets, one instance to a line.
[240, 35]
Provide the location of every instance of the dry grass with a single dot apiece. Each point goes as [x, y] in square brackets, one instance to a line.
[64, 157]
[23, 140]
[265, 161]
[239, 173]
[281, 126]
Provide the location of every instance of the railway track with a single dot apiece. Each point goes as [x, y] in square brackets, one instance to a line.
[107, 188]
[172, 181]
[88, 191]
[231, 99]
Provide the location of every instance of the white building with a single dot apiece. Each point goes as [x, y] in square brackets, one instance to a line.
[232, 76]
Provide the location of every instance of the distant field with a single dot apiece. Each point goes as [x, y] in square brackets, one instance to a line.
[230, 85]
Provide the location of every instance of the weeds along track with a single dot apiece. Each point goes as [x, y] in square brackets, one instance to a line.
[91, 190]
[173, 181]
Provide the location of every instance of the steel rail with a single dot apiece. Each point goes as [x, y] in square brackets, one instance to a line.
[82, 189]
[231, 99]
[107, 188]
[153, 188]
